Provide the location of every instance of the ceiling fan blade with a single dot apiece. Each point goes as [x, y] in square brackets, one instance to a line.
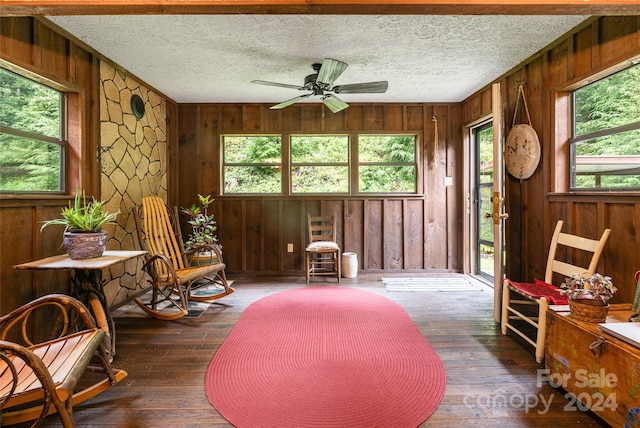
[334, 103]
[331, 69]
[362, 88]
[280, 85]
[289, 102]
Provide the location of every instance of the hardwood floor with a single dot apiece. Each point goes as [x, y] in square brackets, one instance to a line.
[490, 377]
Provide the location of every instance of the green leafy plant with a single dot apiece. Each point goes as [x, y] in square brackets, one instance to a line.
[203, 225]
[83, 216]
[592, 287]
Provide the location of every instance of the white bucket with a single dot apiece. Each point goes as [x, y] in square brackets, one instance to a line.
[349, 265]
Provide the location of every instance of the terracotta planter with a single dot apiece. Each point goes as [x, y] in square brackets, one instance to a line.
[589, 310]
[85, 245]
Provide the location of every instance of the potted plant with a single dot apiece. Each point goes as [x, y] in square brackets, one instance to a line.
[589, 296]
[202, 242]
[83, 221]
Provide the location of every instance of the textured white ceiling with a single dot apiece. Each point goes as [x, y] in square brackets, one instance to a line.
[213, 58]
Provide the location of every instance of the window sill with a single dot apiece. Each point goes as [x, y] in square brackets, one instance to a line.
[13, 200]
[588, 196]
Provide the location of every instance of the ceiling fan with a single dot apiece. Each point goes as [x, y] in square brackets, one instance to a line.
[320, 85]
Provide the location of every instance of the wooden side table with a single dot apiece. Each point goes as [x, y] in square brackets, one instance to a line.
[599, 371]
[86, 285]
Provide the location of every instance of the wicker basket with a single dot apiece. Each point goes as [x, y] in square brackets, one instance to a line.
[588, 310]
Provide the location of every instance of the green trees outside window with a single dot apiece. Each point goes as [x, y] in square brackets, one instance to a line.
[605, 149]
[320, 164]
[252, 164]
[31, 136]
[387, 163]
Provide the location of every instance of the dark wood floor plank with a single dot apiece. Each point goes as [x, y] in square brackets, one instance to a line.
[489, 376]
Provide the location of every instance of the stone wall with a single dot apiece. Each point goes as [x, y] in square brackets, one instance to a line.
[133, 161]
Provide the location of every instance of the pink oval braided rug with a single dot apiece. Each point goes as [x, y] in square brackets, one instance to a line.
[325, 356]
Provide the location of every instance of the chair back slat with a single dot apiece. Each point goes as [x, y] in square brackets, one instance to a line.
[321, 228]
[159, 232]
[573, 244]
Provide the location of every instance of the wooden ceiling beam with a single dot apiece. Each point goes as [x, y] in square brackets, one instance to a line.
[322, 7]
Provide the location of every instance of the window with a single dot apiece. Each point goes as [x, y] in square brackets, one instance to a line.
[320, 164]
[387, 163]
[32, 136]
[605, 148]
[252, 164]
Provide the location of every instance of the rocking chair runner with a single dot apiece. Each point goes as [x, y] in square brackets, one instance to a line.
[39, 377]
[168, 265]
[540, 294]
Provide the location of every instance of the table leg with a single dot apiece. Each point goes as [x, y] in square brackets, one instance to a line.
[86, 286]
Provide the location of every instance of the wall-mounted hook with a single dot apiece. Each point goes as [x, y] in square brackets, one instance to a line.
[102, 150]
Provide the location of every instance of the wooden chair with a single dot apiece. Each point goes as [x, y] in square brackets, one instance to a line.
[542, 293]
[172, 277]
[39, 377]
[322, 255]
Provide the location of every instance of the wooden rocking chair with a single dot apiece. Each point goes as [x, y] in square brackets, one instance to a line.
[168, 265]
[38, 376]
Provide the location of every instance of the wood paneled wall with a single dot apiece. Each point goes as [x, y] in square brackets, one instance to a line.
[35, 46]
[536, 204]
[419, 233]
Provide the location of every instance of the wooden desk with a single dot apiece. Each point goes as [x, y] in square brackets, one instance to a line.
[600, 371]
[86, 284]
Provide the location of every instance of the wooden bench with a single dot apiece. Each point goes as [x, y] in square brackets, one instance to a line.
[39, 377]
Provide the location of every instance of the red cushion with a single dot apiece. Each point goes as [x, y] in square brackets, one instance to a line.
[539, 289]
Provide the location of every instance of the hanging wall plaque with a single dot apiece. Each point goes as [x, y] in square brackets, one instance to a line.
[522, 151]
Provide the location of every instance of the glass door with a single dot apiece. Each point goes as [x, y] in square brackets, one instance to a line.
[484, 236]
[483, 222]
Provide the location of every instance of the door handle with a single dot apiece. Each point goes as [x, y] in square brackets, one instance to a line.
[497, 215]
[503, 215]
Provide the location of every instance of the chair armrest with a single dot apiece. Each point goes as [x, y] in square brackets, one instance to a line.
[160, 269]
[214, 249]
[72, 313]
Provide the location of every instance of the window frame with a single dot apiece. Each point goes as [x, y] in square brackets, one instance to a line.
[352, 164]
[224, 164]
[415, 164]
[347, 163]
[574, 140]
[62, 140]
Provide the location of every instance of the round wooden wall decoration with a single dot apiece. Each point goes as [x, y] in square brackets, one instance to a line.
[137, 106]
[522, 152]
